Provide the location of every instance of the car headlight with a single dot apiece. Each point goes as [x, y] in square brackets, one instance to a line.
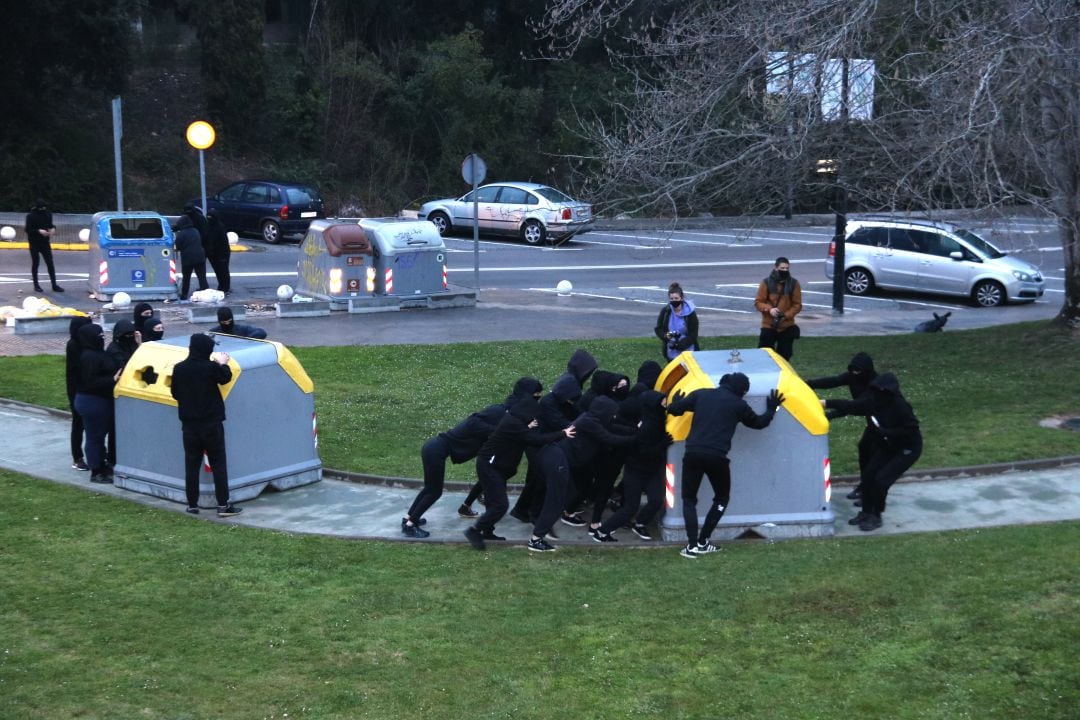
[1022, 276]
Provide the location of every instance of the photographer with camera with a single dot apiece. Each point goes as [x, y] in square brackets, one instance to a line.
[779, 300]
[677, 325]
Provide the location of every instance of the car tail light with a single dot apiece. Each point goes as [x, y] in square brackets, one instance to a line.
[283, 213]
[567, 214]
[832, 249]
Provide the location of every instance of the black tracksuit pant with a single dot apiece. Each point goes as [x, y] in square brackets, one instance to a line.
[185, 283]
[76, 432]
[531, 499]
[221, 272]
[718, 470]
[556, 472]
[41, 251]
[495, 502]
[885, 468]
[208, 438]
[433, 456]
[607, 468]
[635, 481]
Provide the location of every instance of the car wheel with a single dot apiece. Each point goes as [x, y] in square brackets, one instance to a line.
[858, 281]
[988, 294]
[271, 232]
[533, 232]
[441, 221]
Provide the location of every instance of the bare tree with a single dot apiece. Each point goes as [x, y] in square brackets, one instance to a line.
[976, 104]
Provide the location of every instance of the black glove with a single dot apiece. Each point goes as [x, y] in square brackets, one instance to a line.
[676, 397]
[668, 439]
[775, 400]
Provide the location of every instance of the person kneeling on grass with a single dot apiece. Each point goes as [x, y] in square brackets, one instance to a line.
[498, 462]
[717, 413]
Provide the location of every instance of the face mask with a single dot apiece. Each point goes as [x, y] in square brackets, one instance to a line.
[784, 274]
[676, 304]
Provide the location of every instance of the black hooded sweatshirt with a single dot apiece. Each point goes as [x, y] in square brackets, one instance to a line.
[506, 444]
[123, 344]
[148, 332]
[860, 373]
[71, 355]
[137, 315]
[39, 218]
[717, 413]
[559, 407]
[890, 414]
[96, 368]
[188, 242]
[649, 450]
[195, 384]
[593, 433]
[467, 437]
[604, 383]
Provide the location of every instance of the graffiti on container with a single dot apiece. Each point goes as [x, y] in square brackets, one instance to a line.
[406, 261]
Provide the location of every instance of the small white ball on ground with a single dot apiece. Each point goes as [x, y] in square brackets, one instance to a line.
[84, 235]
[121, 300]
[233, 237]
[7, 233]
[564, 287]
[284, 292]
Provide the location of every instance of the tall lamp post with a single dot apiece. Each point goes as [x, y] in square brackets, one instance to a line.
[832, 167]
[200, 135]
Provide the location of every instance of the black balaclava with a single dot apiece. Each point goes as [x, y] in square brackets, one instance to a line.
[603, 409]
[225, 317]
[91, 337]
[737, 383]
[137, 316]
[861, 364]
[525, 409]
[649, 373]
[885, 385]
[124, 334]
[524, 387]
[200, 346]
[76, 323]
[148, 331]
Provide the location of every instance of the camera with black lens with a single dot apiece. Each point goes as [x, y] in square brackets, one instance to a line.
[777, 320]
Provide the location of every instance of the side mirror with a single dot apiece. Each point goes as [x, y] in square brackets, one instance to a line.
[956, 255]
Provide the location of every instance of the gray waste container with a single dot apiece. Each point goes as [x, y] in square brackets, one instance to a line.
[781, 483]
[335, 262]
[270, 428]
[410, 257]
[132, 252]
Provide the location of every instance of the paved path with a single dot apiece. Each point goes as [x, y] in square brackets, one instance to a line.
[36, 444]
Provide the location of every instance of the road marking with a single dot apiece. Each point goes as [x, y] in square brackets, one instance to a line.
[593, 268]
[550, 291]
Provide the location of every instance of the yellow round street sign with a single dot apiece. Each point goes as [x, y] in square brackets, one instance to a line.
[201, 135]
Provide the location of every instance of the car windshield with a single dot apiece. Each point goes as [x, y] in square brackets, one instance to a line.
[550, 193]
[301, 195]
[984, 247]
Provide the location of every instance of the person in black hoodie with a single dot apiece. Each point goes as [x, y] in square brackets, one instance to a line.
[561, 459]
[460, 444]
[227, 326]
[643, 471]
[557, 410]
[598, 481]
[140, 313]
[498, 461]
[857, 378]
[125, 341]
[71, 375]
[192, 255]
[94, 397]
[717, 413]
[153, 329]
[39, 233]
[900, 443]
[196, 385]
[218, 251]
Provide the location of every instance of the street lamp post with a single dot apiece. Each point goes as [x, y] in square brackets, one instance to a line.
[832, 168]
[200, 135]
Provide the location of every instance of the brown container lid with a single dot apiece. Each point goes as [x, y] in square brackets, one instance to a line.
[346, 240]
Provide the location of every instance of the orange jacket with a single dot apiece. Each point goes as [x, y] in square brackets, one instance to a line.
[789, 303]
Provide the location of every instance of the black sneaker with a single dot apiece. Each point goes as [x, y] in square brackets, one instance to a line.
[467, 512]
[705, 548]
[573, 520]
[414, 531]
[101, 478]
[475, 538]
[421, 521]
[689, 552]
[602, 537]
[490, 535]
[541, 545]
[854, 494]
[80, 464]
[228, 510]
[57, 288]
[872, 521]
[193, 510]
[857, 519]
[641, 531]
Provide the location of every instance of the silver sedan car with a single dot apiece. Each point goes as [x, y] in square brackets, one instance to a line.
[535, 213]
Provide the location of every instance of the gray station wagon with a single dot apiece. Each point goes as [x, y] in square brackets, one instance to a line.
[932, 257]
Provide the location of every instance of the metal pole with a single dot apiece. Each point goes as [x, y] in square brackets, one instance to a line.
[118, 133]
[202, 180]
[475, 227]
[839, 236]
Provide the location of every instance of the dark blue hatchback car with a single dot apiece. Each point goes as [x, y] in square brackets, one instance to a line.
[266, 207]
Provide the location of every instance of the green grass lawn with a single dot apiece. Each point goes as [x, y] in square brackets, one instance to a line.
[979, 394]
[115, 610]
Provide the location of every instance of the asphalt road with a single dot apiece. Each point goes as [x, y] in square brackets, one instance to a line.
[718, 266]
